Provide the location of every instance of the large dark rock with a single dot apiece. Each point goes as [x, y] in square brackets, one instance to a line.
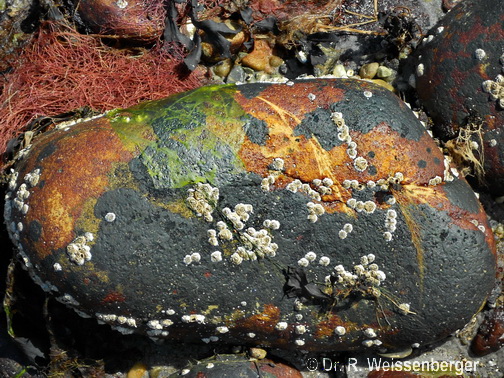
[317, 215]
[460, 80]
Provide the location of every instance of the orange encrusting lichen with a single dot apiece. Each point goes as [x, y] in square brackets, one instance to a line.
[70, 182]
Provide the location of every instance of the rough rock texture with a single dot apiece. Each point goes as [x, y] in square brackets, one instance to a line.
[15, 25]
[317, 214]
[135, 20]
[459, 78]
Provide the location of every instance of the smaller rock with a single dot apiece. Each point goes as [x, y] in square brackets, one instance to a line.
[259, 58]
[368, 71]
[223, 68]
[236, 75]
[490, 334]
[340, 71]
[383, 72]
[139, 370]
[384, 84]
[275, 61]
[257, 353]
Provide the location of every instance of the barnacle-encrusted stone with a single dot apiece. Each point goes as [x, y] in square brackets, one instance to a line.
[301, 262]
[459, 80]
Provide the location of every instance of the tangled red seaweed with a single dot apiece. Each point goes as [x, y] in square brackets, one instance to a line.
[61, 70]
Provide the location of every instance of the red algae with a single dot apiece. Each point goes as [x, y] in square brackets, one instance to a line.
[61, 70]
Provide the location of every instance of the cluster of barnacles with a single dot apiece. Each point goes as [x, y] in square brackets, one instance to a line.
[365, 278]
[383, 184]
[495, 88]
[202, 199]
[78, 250]
[276, 167]
[367, 273]
[252, 243]
[360, 163]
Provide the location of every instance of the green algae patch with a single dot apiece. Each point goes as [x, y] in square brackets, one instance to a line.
[198, 136]
[132, 129]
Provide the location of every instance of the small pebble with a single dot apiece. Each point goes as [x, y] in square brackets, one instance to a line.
[368, 71]
[383, 72]
[257, 353]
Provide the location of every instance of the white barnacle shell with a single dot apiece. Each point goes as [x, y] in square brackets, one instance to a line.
[339, 268]
[368, 343]
[391, 214]
[222, 329]
[479, 54]
[420, 69]
[236, 258]
[346, 184]
[304, 262]
[278, 164]
[327, 181]
[300, 329]
[275, 225]
[370, 332]
[24, 209]
[352, 202]
[281, 326]
[387, 236]
[324, 261]
[311, 256]
[226, 234]
[340, 330]
[373, 267]
[166, 322]
[352, 153]
[154, 324]
[359, 206]
[380, 275]
[110, 217]
[195, 257]
[369, 207]
[359, 269]
[348, 228]
[198, 318]
[318, 209]
[186, 318]
[213, 241]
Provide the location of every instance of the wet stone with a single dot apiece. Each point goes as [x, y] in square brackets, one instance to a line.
[287, 215]
[236, 75]
[458, 76]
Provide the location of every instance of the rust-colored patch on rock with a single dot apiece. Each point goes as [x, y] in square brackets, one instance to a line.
[263, 322]
[72, 173]
[113, 297]
[326, 327]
